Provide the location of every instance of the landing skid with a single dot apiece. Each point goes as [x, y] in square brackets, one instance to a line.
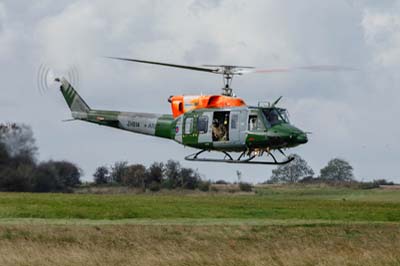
[242, 159]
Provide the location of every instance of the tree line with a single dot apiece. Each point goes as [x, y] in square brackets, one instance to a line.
[158, 175]
[20, 169]
[337, 172]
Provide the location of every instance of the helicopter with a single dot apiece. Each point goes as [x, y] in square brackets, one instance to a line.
[221, 123]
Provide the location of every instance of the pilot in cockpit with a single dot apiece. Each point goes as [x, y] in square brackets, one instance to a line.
[252, 123]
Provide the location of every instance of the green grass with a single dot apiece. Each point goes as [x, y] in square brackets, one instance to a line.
[276, 226]
[322, 204]
[332, 193]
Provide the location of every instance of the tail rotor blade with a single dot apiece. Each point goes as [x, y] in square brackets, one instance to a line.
[46, 77]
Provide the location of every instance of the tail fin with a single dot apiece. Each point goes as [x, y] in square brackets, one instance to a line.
[73, 99]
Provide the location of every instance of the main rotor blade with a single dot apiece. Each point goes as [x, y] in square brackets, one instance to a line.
[315, 68]
[166, 64]
[332, 68]
[229, 66]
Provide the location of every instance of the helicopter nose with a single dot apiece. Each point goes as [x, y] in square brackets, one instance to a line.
[301, 138]
[286, 135]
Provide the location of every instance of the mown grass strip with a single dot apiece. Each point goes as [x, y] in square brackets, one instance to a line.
[191, 222]
[345, 205]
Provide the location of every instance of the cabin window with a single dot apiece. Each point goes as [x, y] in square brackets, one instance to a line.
[234, 121]
[220, 126]
[189, 125]
[202, 124]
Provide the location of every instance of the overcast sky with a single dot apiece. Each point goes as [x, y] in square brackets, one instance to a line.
[352, 115]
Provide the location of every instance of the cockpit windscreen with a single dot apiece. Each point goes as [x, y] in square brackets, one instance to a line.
[276, 116]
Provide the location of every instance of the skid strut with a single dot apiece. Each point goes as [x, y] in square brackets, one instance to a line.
[240, 160]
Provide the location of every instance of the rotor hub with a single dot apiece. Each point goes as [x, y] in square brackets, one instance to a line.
[228, 72]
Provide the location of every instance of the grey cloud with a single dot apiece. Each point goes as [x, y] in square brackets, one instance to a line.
[383, 4]
[2, 17]
[344, 111]
[199, 6]
[202, 52]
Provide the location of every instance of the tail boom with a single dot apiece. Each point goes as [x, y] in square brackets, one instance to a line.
[158, 125]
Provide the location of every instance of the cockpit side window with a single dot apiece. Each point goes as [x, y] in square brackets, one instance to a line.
[255, 122]
[252, 122]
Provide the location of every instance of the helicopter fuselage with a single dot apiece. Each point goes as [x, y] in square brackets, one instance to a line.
[233, 129]
[246, 129]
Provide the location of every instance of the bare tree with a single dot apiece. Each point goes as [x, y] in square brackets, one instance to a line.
[18, 140]
[239, 176]
[135, 175]
[190, 178]
[155, 173]
[118, 170]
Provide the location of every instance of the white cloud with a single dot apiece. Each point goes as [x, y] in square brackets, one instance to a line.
[71, 35]
[382, 34]
[7, 36]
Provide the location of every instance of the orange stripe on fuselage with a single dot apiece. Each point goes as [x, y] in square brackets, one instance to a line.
[181, 104]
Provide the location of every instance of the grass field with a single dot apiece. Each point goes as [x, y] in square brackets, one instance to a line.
[276, 226]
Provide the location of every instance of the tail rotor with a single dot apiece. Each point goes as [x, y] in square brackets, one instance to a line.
[46, 77]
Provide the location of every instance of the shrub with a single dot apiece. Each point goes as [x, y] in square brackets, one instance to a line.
[56, 176]
[204, 186]
[134, 176]
[154, 186]
[368, 185]
[168, 184]
[383, 182]
[190, 178]
[245, 186]
[214, 189]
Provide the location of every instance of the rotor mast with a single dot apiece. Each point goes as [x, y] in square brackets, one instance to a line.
[227, 77]
[227, 90]
[228, 72]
